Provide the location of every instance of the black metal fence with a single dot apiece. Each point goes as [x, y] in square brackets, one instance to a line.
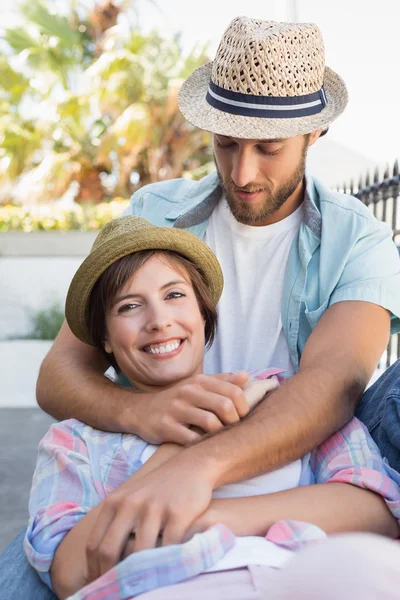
[380, 192]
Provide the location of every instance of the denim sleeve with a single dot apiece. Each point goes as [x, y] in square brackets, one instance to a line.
[372, 272]
[135, 204]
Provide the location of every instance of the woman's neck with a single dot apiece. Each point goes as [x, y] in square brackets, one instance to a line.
[143, 387]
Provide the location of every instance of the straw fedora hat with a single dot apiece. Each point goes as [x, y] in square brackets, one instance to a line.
[124, 236]
[268, 80]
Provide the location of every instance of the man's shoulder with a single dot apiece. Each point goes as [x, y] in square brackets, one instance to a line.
[171, 190]
[345, 208]
[165, 200]
[341, 201]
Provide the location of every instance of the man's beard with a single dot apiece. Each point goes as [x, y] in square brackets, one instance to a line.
[244, 213]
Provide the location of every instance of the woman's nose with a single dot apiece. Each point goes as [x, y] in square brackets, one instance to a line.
[158, 318]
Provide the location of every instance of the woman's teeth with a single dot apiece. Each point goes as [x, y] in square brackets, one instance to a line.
[163, 348]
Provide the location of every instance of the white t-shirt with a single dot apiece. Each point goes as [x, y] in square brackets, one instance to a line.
[253, 261]
[250, 336]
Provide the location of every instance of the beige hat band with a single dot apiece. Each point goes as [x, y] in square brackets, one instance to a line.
[268, 107]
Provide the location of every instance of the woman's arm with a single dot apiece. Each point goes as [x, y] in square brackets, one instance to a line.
[69, 571]
[333, 507]
[64, 489]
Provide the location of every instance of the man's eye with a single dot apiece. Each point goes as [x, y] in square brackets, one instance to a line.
[225, 145]
[269, 152]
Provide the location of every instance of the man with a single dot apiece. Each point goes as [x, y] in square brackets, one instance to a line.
[312, 282]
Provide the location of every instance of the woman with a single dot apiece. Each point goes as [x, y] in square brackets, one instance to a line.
[147, 297]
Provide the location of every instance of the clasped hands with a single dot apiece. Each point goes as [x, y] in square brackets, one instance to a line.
[170, 497]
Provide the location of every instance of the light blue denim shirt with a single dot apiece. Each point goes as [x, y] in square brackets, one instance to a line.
[341, 252]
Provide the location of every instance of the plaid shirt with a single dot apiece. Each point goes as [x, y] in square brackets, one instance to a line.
[79, 466]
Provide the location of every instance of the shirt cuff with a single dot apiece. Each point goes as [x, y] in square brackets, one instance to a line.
[150, 569]
[45, 532]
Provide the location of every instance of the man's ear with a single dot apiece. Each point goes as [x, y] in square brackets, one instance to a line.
[313, 136]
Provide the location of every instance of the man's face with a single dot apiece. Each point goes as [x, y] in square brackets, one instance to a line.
[259, 176]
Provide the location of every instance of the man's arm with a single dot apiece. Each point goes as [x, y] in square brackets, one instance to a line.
[338, 361]
[71, 384]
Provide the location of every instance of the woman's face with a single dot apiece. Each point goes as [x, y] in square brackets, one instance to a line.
[155, 328]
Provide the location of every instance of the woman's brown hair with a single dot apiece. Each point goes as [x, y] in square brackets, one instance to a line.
[116, 275]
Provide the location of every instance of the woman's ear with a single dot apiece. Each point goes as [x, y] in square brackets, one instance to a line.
[107, 347]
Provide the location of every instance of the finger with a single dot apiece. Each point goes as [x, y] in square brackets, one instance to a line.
[116, 537]
[147, 531]
[129, 547]
[238, 406]
[210, 400]
[238, 378]
[204, 419]
[256, 390]
[174, 532]
[96, 537]
[231, 385]
[181, 434]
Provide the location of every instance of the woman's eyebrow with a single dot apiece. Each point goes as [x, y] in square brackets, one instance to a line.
[166, 285]
[174, 282]
[120, 298]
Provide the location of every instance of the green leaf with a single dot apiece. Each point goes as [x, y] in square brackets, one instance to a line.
[48, 22]
[19, 39]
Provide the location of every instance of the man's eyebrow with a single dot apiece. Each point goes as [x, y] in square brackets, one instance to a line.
[166, 285]
[272, 140]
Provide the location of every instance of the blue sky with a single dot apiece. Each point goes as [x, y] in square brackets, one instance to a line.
[362, 44]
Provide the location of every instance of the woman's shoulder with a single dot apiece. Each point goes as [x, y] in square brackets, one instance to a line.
[74, 435]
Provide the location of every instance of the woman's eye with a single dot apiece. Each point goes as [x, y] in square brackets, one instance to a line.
[173, 295]
[127, 307]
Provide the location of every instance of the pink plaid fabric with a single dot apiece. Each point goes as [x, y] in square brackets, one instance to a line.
[78, 466]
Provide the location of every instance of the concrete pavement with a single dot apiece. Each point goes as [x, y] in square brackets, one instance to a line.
[20, 432]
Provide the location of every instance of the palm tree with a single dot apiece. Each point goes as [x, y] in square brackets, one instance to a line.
[108, 117]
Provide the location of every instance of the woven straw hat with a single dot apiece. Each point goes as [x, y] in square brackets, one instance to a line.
[268, 80]
[125, 236]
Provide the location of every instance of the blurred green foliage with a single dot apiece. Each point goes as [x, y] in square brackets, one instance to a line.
[87, 217]
[46, 323]
[88, 99]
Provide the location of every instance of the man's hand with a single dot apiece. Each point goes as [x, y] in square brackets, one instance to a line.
[207, 402]
[162, 503]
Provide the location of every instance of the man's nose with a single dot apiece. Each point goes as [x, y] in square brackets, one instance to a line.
[244, 168]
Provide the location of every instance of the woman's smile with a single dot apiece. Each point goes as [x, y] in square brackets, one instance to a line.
[154, 320]
[165, 349]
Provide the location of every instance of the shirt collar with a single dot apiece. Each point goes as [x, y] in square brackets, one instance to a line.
[191, 211]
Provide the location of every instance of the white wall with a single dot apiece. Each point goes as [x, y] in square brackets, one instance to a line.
[20, 362]
[31, 280]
